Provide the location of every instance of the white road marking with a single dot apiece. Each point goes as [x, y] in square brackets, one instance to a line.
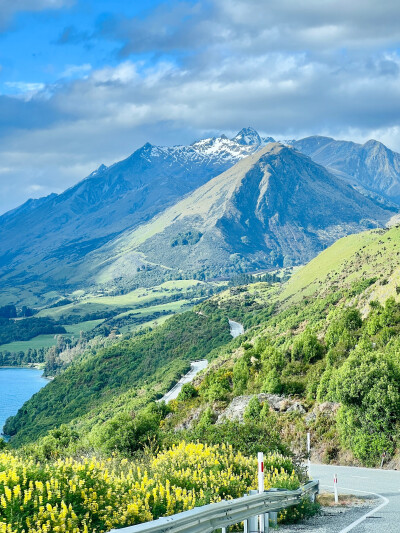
[367, 515]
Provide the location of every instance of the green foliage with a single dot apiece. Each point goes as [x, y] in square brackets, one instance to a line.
[241, 376]
[184, 239]
[359, 286]
[272, 383]
[187, 392]
[253, 410]
[368, 387]
[250, 437]
[306, 348]
[27, 328]
[57, 443]
[343, 327]
[127, 433]
[216, 386]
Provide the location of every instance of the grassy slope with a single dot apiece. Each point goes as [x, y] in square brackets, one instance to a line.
[148, 362]
[97, 303]
[368, 254]
[127, 375]
[45, 341]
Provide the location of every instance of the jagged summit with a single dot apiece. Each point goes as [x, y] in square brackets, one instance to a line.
[98, 171]
[274, 208]
[248, 136]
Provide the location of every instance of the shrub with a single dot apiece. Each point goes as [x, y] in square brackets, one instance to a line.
[187, 392]
[368, 386]
[272, 383]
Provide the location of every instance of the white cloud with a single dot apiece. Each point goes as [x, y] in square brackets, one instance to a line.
[72, 71]
[25, 90]
[288, 68]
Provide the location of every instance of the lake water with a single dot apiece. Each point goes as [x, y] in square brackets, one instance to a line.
[17, 385]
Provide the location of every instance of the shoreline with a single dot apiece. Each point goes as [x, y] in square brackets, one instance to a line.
[33, 366]
[36, 366]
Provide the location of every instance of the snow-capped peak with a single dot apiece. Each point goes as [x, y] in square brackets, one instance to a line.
[99, 170]
[248, 136]
[216, 151]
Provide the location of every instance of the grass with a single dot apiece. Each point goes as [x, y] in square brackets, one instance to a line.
[41, 341]
[45, 341]
[88, 325]
[367, 252]
[133, 299]
[327, 499]
[149, 324]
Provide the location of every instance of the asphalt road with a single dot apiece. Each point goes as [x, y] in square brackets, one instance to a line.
[196, 366]
[236, 328]
[384, 485]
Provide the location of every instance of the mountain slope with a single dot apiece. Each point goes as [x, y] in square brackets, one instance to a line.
[319, 348]
[44, 241]
[371, 166]
[276, 207]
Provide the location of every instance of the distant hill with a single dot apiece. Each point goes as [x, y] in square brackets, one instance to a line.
[371, 166]
[44, 242]
[159, 211]
[274, 208]
[328, 337]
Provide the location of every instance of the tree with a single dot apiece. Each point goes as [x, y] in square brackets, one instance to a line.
[307, 348]
[241, 376]
[368, 387]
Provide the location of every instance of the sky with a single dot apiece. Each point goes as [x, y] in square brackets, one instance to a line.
[86, 82]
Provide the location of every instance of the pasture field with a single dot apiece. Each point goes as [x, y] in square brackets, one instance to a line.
[45, 341]
[91, 303]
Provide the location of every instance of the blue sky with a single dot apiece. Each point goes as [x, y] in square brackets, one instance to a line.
[56, 44]
[86, 82]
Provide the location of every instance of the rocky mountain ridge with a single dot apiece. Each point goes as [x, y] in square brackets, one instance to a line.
[371, 166]
[62, 241]
[274, 208]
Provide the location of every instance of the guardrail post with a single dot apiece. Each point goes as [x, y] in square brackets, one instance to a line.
[223, 529]
[245, 522]
[253, 521]
[266, 522]
[273, 516]
[335, 488]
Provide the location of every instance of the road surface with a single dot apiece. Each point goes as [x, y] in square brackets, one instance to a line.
[196, 367]
[236, 328]
[384, 485]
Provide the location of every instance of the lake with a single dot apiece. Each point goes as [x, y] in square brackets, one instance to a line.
[17, 385]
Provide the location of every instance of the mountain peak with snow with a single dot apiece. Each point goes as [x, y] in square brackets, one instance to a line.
[248, 136]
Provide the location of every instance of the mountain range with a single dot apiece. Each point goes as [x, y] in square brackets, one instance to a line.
[371, 167]
[217, 206]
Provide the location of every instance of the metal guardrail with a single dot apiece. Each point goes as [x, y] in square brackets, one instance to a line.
[208, 518]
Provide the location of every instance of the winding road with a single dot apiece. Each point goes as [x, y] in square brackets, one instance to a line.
[236, 328]
[196, 367]
[384, 485]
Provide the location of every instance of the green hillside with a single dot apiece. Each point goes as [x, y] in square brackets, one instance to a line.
[327, 339]
[146, 365]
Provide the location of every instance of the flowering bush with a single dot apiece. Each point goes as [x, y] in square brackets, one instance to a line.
[89, 495]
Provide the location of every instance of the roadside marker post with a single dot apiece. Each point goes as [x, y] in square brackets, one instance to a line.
[335, 488]
[383, 459]
[263, 518]
[308, 451]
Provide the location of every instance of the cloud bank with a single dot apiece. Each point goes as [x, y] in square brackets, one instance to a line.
[288, 68]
